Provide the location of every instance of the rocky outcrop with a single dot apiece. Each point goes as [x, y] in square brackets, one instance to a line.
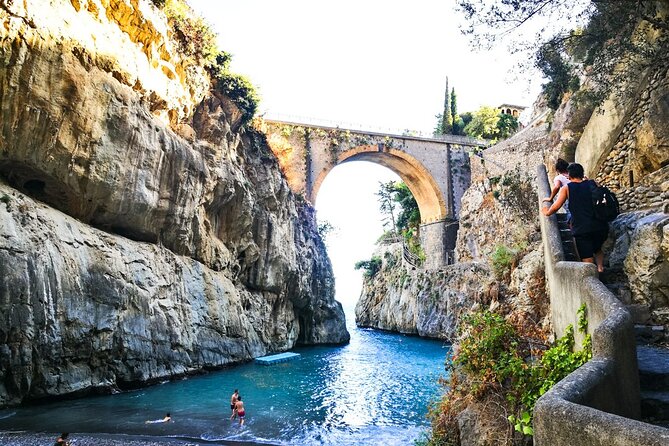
[143, 233]
[639, 250]
[432, 303]
[427, 303]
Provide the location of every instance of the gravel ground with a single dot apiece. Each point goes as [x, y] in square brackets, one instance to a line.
[41, 439]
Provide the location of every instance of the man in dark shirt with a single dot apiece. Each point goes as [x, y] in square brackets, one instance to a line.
[589, 232]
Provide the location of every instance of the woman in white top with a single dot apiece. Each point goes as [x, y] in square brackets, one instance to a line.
[560, 179]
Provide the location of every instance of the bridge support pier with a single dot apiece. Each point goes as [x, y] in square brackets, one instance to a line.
[438, 242]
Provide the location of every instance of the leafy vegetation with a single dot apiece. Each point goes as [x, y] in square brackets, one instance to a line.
[371, 266]
[609, 41]
[489, 123]
[516, 191]
[235, 86]
[502, 363]
[401, 213]
[194, 35]
[325, 228]
[503, 259]
[7, 200]
[197, 40]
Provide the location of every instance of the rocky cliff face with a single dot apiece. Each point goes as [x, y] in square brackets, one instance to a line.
[143, 233]
[427, 303]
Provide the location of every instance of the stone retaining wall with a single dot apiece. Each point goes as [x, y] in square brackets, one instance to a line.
[636, 168]
[597, 404]
[524, 151]
[652, 192]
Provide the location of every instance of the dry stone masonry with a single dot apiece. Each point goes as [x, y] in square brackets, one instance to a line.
[637, 167]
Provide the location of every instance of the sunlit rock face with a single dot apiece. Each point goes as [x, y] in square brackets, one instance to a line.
[143, 233]
[428, 303]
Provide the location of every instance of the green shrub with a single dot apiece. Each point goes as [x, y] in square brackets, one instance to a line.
[197, 40]
[494, 359]
[235, 86]
[194, 35]
[371, 266]
[503, 259]
[7, 200]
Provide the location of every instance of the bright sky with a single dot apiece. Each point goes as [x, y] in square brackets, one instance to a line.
[380, 64]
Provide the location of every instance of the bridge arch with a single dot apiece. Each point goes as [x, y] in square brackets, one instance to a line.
[430, 200]
[436, 170]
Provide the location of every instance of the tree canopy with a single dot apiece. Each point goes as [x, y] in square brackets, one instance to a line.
[609, 41]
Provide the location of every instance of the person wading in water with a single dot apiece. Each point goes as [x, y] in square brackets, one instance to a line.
[233, 400]
[239, 409]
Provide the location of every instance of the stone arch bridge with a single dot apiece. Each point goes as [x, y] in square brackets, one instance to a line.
[436, 170]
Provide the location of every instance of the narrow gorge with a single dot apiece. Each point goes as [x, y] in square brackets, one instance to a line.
[146, 231]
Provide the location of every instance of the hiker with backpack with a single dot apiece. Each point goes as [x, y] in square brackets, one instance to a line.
[591, 208]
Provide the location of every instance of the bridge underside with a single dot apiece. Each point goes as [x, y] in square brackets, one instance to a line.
[430, 200]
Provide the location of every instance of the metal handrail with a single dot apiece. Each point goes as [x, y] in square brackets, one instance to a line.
[409, 257]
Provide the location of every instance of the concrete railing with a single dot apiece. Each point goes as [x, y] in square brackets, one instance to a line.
[393, 133]
[598, 404]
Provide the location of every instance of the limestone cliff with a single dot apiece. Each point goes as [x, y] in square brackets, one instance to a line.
[427, 303]
[144, 233]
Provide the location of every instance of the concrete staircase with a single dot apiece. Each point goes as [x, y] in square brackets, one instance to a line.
[654, 381]
[652, 356]
[568, 245]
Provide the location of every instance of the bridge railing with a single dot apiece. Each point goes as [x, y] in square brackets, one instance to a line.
[409, 257]
[370, 129]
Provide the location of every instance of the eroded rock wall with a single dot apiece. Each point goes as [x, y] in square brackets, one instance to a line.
[143, 233]
[427, 303]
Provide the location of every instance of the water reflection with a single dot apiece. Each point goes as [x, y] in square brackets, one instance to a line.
[373, 391]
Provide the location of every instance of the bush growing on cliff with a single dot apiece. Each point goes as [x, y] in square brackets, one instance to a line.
[197, 40]
[371, 266]
[517, 192]
[503, 258]
[503, 366]
[235, 86]
[194, 35]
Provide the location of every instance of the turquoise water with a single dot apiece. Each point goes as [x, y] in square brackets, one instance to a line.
[373, 391]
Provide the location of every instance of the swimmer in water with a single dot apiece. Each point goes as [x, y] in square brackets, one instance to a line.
[166, 419]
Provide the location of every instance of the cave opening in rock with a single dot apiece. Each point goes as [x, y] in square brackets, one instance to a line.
[34, 187]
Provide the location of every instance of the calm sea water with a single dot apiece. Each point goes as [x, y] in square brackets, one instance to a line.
[373, 391]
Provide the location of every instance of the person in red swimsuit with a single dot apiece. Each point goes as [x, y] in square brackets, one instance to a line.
[239, 408]
[233, 400]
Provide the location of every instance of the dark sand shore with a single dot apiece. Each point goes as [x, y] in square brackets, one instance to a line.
[21, 438]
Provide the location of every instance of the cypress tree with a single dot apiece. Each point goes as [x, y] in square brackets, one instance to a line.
[447, 125]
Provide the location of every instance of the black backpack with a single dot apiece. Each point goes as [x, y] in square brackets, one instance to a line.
[604, 203]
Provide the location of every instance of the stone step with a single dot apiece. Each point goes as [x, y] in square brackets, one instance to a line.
[613, 276]
[653, 363]
[622, 292]
[648, 333]
[561, 217]
[655, 406]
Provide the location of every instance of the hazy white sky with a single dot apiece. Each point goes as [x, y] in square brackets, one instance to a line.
[378, 63]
